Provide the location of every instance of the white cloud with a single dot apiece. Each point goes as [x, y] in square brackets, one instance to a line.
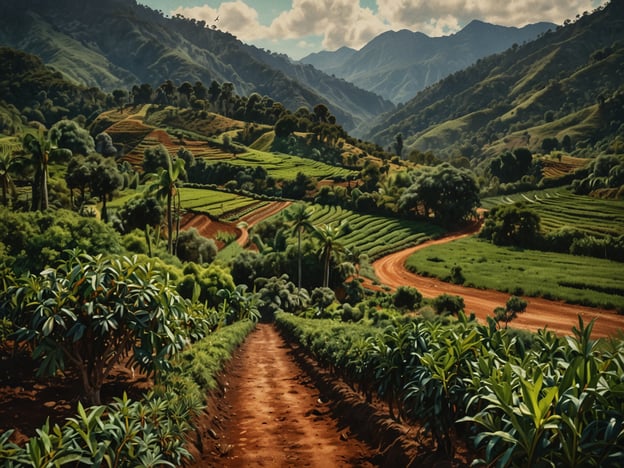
[338, 22]
[236, 17]
[441, 17]
[345, 22]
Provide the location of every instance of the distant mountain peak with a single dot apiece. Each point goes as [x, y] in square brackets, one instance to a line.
[398, 64]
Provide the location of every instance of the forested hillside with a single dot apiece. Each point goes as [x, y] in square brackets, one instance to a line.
[566, 85]
[119, 44]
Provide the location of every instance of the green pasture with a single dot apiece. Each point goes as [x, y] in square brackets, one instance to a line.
[284, 166]
[574, 279]
[375, 235]
[561, 208]
[214, 202]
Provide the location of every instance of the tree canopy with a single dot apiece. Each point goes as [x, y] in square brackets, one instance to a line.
[449, 194]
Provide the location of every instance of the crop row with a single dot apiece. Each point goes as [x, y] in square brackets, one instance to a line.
[545, 401]
[375, 235]
[558, 209]
[152, 431]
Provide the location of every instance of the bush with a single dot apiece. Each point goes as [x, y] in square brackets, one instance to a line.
[448, 304]
[407, 297]
[193, 247]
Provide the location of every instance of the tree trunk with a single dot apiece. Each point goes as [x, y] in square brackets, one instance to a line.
[169, 225]
[44, 189]
[299, 260]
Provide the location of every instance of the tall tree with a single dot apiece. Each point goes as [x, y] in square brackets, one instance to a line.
[330, 246]
[299, 217]
[166, 186]
[41, 147]
[105, 179]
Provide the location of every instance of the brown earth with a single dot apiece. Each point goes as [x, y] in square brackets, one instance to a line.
[540, 313]
[278, 409]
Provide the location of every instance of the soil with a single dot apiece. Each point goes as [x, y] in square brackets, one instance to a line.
[540, 313]
[276, 408]
[26, 402]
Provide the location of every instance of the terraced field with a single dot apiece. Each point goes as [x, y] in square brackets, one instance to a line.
[286, 166]
[224, 205]
[559, 208]
[557, 168]
[375, 235]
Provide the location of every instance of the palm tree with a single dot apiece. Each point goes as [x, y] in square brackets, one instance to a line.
[39, 146]
[328, 236]
[299, 217]
[9, 162]
[167, 186]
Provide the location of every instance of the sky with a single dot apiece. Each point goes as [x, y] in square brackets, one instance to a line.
[300, 27]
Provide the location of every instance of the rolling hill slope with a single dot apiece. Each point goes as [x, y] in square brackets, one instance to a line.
[119, 43]
[529, 92]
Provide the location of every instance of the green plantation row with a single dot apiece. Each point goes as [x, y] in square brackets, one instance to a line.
[374, 235]
[286, 166]
[575, 279]
[152, 431]
[561, 208]
[548, 401]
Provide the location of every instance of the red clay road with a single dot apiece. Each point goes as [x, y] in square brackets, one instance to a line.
[556, 316]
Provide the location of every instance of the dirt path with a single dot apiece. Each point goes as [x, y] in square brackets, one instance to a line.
[256, 217]
[272, 415]
[540, 313]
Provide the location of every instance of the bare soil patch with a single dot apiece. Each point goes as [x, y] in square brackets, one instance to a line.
[26, 402]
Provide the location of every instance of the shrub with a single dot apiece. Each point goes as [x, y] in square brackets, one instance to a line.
[407, 297]
[448, 304]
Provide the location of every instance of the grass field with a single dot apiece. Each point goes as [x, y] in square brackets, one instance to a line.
[375, 235]
[223, 205]
[575, 279]
[284, 166]
[559, 208]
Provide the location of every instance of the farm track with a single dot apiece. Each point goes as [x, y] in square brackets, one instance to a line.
[257, 216]
[554, 315]
[271, 414]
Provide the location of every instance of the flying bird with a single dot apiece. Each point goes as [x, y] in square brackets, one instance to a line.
[217, 18]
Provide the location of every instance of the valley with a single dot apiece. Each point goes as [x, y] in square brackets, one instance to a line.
[214, 255]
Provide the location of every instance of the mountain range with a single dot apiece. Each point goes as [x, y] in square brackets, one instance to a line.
[568, 82]
[398, 64]
[120, 43]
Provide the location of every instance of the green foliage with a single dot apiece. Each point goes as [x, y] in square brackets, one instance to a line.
[449, 194]
[407, 297]
[151, 432]
[70, 135]
[35, 240]
[448, 304]
[193, 247]
[545, 401]
[512, 225]
[91, 312]
[203, 282]
[278, 294]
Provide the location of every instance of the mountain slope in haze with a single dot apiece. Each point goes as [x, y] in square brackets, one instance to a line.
[398, 64]
[568, 81]
[119, 44]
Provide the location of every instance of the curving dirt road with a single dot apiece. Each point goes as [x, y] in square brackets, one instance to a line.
[556, 316]
[258, 216]
[274, 416]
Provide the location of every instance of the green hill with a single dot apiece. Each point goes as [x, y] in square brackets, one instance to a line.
[567, 82]
[119, 44]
